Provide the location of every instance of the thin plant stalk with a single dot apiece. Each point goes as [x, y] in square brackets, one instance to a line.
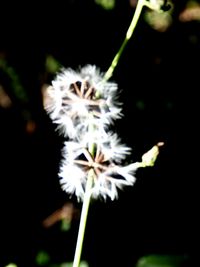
[85, 207]
[87, 194]
[129, 33]
[83, 219]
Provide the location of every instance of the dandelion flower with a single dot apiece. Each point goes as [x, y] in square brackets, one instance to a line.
[75, 95]
[107, 175]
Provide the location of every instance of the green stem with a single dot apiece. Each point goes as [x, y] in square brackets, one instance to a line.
[129, 33]
[87, 194]
[86, 203]
[84, 214]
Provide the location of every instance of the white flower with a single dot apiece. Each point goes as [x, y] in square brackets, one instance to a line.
[83, 105]
[107, 176]
[74, 96]
[71, 151]
[114, 177]
[112, 148]
[109, 143]
[72, 180]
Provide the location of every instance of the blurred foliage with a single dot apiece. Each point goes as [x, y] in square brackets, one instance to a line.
[159, 21]
[70, 264]
[42, 258]
[11, 265]
[12, 91]
[15, 83]
[5, 100]
[191, 12]
[52, 65]
[63, 215]
[106, 4]
[65, 225]
[161, 261]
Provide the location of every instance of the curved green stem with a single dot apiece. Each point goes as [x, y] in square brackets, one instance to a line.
[87, 195]
[129, 33]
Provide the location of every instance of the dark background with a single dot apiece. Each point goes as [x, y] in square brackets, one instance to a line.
[158, 76]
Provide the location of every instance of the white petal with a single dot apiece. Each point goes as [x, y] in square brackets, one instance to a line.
[72, 180]
[70, 152]
[128, 172]
[112, 148]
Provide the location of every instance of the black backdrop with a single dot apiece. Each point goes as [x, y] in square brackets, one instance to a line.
[158, 78]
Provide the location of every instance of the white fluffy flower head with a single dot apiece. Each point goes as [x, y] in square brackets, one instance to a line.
[83, 105]
[108, 173]
[73, 96]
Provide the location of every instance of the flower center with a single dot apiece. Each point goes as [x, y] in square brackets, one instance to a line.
[83, 90]
[98, 163]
